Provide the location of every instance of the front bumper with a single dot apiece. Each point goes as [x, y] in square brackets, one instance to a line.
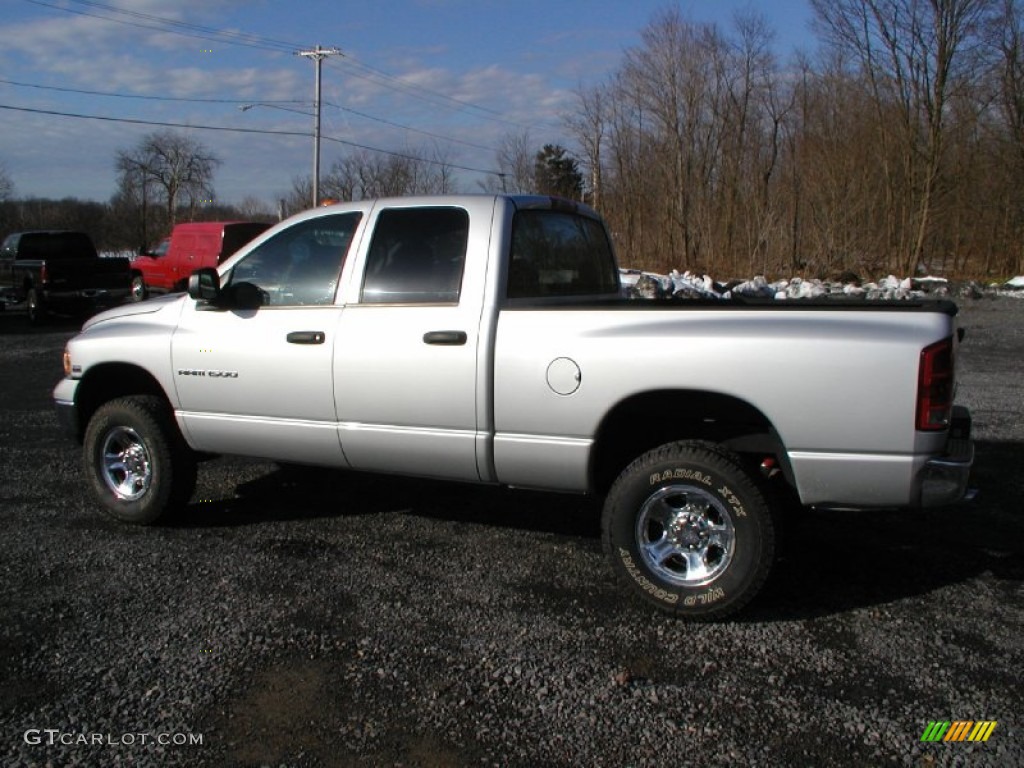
[67, 411]
[944, 479]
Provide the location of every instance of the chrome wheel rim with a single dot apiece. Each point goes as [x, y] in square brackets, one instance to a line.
[126, 465]
[685, 535]
[138, 289]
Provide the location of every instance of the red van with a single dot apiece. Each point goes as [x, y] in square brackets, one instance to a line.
[191, 245]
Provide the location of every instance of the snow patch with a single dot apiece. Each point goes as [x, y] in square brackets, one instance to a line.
[688, 285]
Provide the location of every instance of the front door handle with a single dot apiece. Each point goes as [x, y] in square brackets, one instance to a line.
[445, 338]
[306, 337]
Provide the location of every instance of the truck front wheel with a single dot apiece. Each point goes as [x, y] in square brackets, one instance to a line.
[136, 460]
[688, 530]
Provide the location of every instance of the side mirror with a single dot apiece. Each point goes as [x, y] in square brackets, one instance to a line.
[247, 296]
[204, 284]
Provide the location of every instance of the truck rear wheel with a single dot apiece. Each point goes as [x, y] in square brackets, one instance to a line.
[37, 313]
[136, 460]
[139, 292]
[687, 529]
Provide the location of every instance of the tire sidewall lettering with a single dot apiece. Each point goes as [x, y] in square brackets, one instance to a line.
[679, 473]
[646, 585]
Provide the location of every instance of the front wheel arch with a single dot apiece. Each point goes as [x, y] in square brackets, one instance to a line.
[108, 381]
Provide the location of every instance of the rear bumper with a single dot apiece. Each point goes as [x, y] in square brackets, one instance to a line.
[932, 477]
[85, 298]
[944, 479]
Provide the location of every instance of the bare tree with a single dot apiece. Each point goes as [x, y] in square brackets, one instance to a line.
[174, 164]
[1007, 36]
[134, 191]
[298, 197]
[679, 78]
[909, 53]
[253, 208]
[363, 175]
[515, 158]
[6, 185]
[589, 125]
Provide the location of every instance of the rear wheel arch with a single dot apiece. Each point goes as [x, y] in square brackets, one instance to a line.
[647, 420]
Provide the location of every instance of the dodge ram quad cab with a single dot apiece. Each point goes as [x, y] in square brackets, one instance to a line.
[487, 339]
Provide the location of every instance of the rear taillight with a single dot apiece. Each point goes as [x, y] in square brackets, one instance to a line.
[42, 274]
[935, 385]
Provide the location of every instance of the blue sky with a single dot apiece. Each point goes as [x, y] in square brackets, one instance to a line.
[452, 75]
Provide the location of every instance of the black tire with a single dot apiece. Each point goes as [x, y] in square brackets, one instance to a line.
[137, 461]
[139, 292]
[688, 530]
[37, 314]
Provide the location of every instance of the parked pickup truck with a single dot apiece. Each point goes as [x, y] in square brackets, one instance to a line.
[59, 270]
[191, 245]
[486, 339]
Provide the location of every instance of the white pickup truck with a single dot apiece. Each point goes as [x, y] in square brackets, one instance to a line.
[487, 339]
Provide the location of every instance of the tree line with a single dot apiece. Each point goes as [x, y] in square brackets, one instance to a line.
[898, 147]
[168, 176]
[165, 178]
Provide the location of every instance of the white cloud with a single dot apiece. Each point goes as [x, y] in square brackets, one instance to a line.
[95, 54]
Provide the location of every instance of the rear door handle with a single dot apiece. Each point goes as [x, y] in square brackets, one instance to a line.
[445, 338]
[306, 337]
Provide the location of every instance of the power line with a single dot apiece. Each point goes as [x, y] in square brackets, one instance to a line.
[435, 98]
[220, 33]
[112, 95]
[232, 129]
[371, 74]
[224, 38]
[401, 85]
[403, 127]
[243, 103]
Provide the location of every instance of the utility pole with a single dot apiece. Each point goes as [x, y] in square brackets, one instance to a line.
[318, 54]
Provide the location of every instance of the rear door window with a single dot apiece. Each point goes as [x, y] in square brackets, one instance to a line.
[417, 256]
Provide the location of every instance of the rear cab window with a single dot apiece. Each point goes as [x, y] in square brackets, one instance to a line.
[56, 245]
[559, 254]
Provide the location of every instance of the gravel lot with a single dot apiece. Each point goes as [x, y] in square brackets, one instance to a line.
[325, 619]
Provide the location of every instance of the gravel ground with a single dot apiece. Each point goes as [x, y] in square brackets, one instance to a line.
[324, 619]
